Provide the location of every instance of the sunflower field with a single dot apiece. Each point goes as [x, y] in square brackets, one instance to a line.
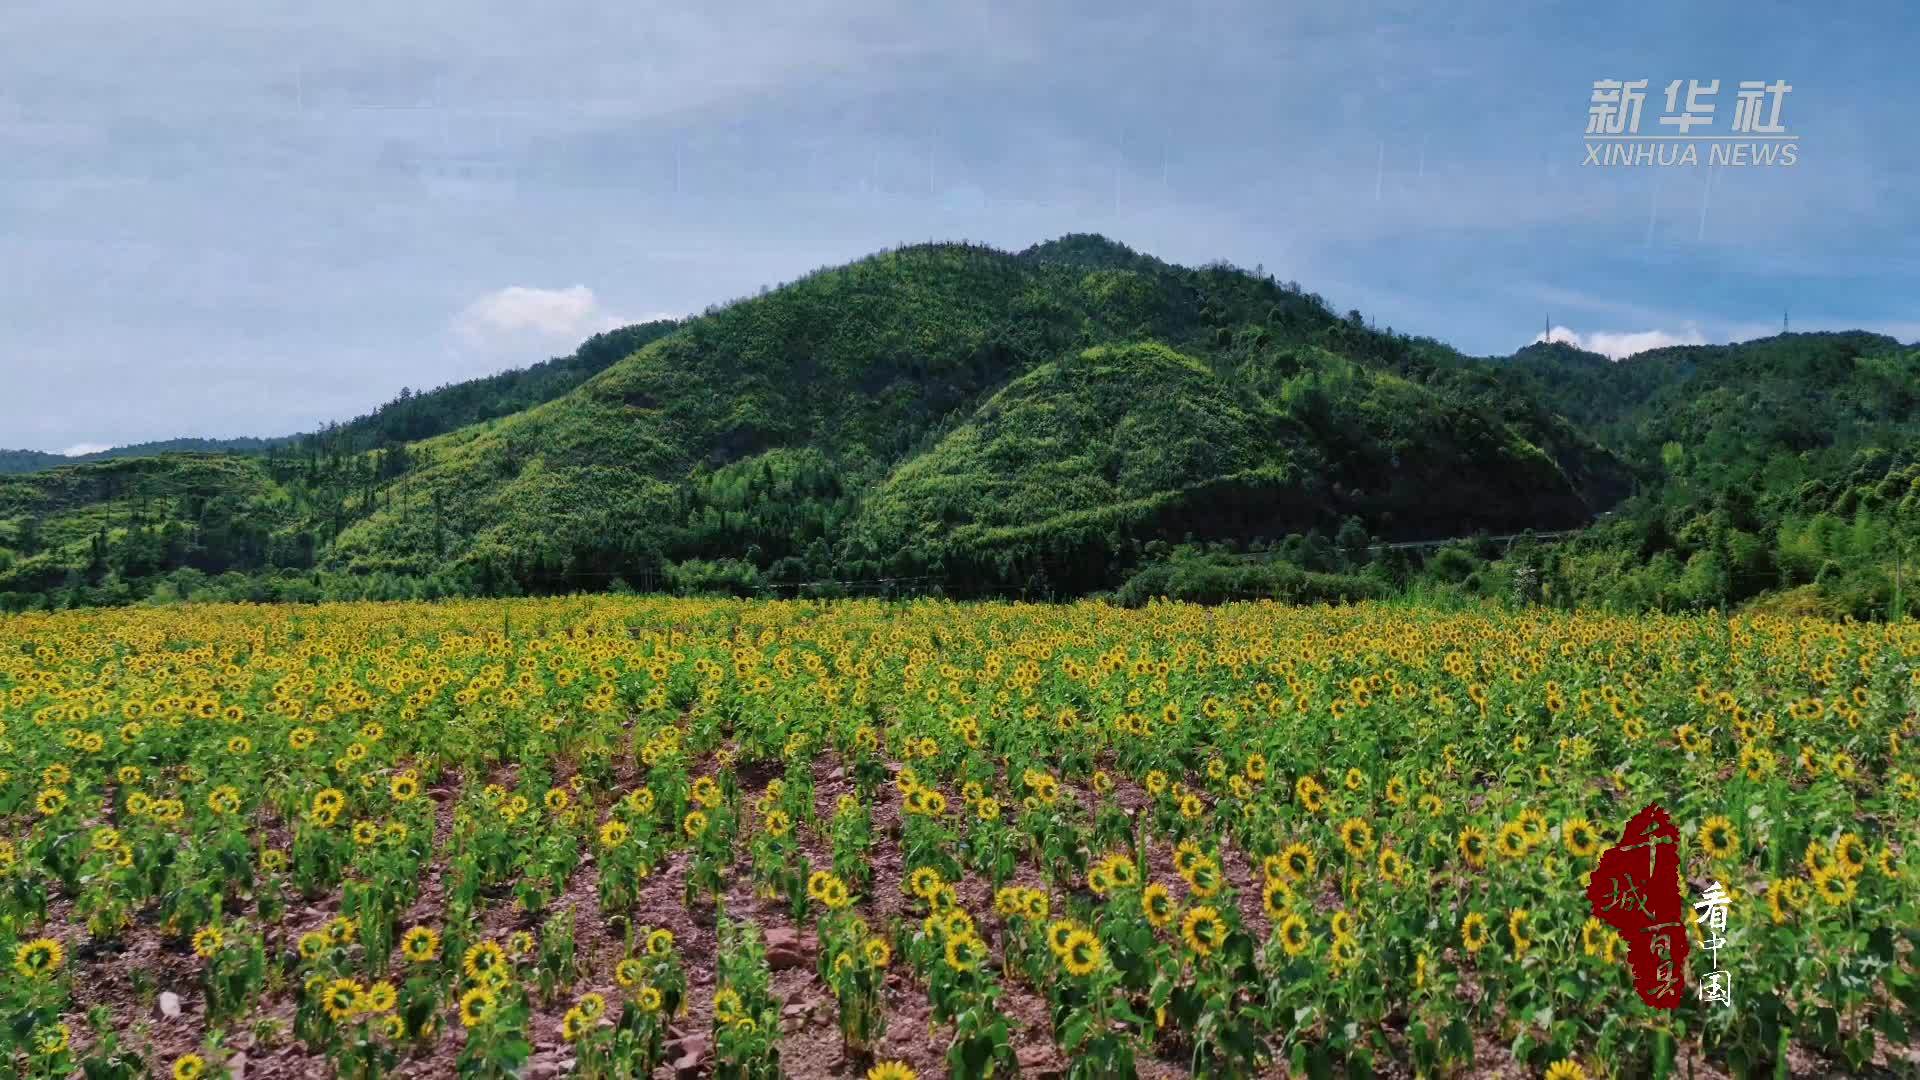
[623, 837]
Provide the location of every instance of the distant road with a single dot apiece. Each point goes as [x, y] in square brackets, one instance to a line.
[1405, 545]
[1508, 537]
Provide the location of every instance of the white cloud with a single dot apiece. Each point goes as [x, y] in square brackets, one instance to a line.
[1620, 344]
[520, 314]
[78, 449]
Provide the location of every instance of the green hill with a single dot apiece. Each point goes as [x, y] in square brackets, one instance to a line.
[1765, 466]
[20, 461]
[25, 461]
[1065, 419]
[107, 528]
[758, 434]
[1076, 463]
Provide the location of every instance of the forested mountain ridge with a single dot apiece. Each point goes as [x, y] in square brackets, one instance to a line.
[24, 461]
[1051, 422]
[758, 431]
[1786, 464]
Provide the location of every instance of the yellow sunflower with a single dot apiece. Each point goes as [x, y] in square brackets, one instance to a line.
[1357, 837]
[1579, 837]
[1082, 954]
[1157, 904]
[1719, 839]
[1293, 935]
[420, 944]
[477, 1006]
[39, 958]
[1517, 930]
[1473, 932]
[1202, 930]
[1472, 844]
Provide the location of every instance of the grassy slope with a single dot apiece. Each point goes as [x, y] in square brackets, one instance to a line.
[1145, 440]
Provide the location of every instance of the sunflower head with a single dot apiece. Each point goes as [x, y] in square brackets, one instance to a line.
[477, 1006]
[1512, 841]
[39, 958]
[1342, 924]
[1850, 853]
[924, 882]
[1718, 838]
[1579, 836]
[1057, 934]
[1274, 897]
[1203, 931]
[1473, 932]
[1298, 860]
[964, 952]
[1344, 953]
[1356, 836]
[1517, 920]
[1833, 887]
[1082, 953]
[420, 944]
[1294, 937]
[341, 999]
[1157, 904]
[379, 998]
[482, 957]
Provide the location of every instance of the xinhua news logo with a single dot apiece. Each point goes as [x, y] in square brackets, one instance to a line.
[1756, 134]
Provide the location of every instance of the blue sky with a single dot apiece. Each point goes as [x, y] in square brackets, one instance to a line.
[248, 218]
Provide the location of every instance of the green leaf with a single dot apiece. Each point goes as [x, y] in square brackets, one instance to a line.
[1662, 1054]
[1880, 943]
[1459, 1040]
[1891, 1026]
[1859, 1049]
[1076, 1030]
[1826, 1025]
[1523, 1047]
